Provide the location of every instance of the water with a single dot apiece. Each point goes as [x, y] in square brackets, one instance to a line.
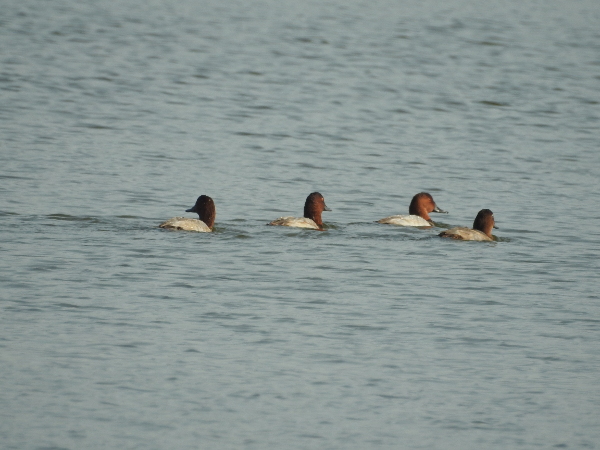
[115, 116]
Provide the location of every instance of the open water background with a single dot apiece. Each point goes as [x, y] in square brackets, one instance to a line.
[116, 115]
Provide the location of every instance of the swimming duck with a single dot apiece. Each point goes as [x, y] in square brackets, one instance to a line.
[482, 228]
[205, 208]
[420, 207]
[313, 207]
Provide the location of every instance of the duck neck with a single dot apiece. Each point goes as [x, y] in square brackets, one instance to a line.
[315, 216]
[487, 229]
[422, 212]
[485, 226]
[208, 217]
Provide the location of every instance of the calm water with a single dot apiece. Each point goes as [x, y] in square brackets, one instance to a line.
[116, 115]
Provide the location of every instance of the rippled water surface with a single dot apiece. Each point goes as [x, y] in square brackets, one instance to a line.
[115, 116]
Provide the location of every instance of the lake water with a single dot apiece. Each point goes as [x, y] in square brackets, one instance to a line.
[115, 116]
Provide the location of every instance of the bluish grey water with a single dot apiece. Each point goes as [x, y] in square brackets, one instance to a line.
[115, 116]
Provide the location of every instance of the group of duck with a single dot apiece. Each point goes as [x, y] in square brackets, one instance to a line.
[418, 216]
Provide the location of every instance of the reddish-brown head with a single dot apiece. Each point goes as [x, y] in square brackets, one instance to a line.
[422, 204]
[484, 222]
[205, 208]
[314, 206]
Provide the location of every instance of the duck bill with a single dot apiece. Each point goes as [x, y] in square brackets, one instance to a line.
[192, 209]
[325, 208]
[496, 227]
[438, 210]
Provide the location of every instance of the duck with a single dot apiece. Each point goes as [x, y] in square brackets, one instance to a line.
[205, 208]
[420, 207]
[313, 207]
[481, 231]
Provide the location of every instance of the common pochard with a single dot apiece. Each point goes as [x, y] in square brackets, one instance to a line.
[313, 207]
[420, 207]
[481, 231]
[205, 208]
